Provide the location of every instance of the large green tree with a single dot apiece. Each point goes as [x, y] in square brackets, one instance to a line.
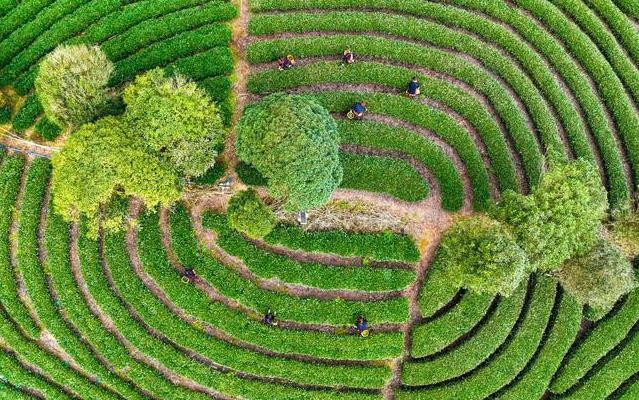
[176, 119]
[598, 278]
[102, 162]
[72, 84]
[293, 142]
[481, 254]
[562, 216]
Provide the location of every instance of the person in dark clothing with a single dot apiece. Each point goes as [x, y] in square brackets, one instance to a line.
[348, 57]
[361, 324]
[189, 275]
[413, 88]
[285, 62]
[357, 110]
[269, 318]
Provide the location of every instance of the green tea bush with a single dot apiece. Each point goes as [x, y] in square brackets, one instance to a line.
[27, 114]
[10, 174]
[608, 333]
[316, 344]
[47, 129]
[371, 174]
[267, 265]
[5, 109]
[386, 246]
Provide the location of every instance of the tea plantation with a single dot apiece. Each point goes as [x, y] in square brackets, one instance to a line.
[505, 86]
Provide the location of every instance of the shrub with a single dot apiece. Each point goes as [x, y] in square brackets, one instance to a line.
[72, 84]
[625, 234]
[5, 109]
[293, 142]
[248, 214]
[481, 254]
[27, 114]
[176, 120]
[562, 216]
[47, 129]
[598, 278]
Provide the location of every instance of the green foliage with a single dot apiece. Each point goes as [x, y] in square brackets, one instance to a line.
[248, 214]
[394, 78]
[492, 332]
[561, 218]
[598, 278]
[5, 114]
[376, 135]
[176, 120]
[481, 254]
[376, 347]
[293, 142]
[625, 233]
[268, 265]
[5, 109]
[10, 174]
[101, 162]
[605, 336]
[47, 129]
[388, 175]
[72, 84]
[27, 114]
[211, 175]
[386, 246]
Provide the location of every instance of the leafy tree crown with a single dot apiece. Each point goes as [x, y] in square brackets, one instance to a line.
[72, 84]
[293, 142]
[176, 119]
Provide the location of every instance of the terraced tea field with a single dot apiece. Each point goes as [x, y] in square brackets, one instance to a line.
[504, 84]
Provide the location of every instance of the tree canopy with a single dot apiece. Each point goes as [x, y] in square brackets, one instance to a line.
[176, 119]
[249, 215]
[562, 216]
[598, 278]
[72, 84]
[481, 254]
[102, 161]
[293, 142]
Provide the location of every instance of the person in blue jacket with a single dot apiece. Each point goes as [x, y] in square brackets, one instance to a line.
[358, 110]
[413, 88]
[361, 324]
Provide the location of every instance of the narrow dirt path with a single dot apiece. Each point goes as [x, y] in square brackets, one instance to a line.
[13, 141]
[432, 236]
[239, 41]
